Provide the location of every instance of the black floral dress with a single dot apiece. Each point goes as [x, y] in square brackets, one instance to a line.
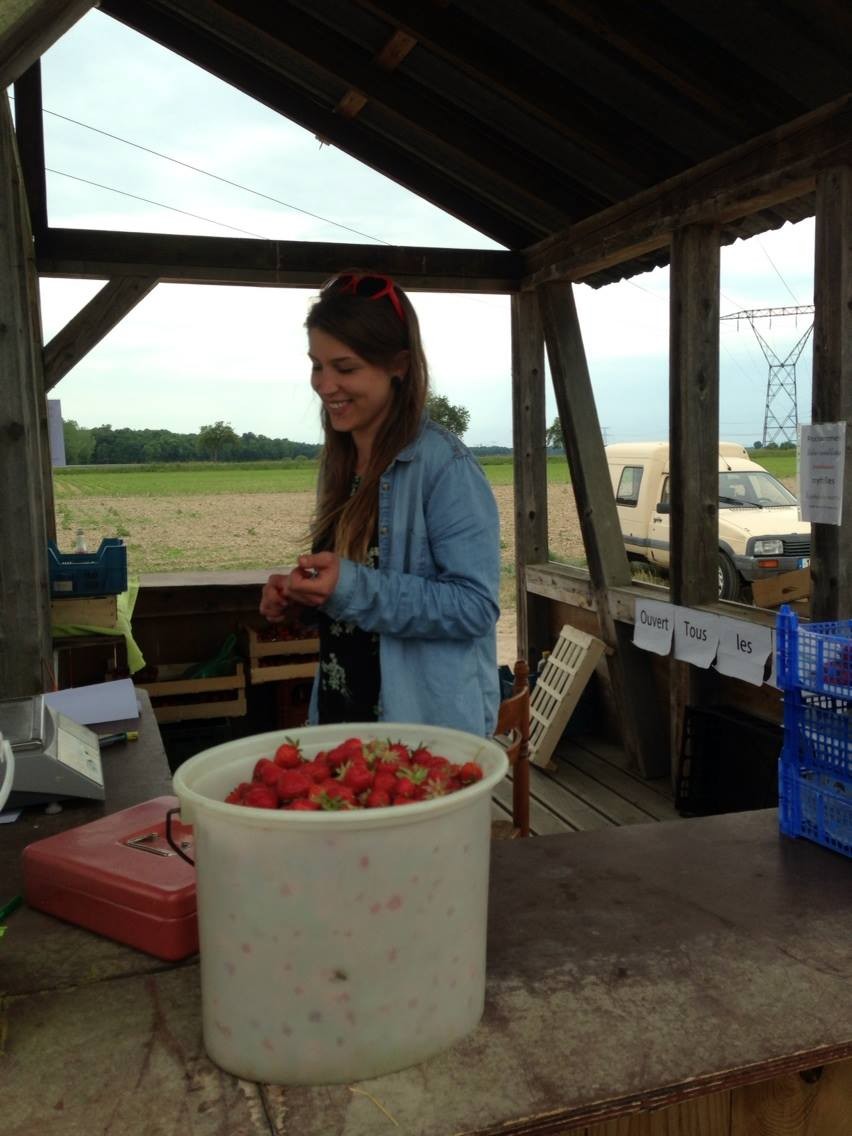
[349, 665]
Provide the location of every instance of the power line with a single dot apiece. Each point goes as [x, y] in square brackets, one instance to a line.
[207, 173]
[148, 201]
[778, 274]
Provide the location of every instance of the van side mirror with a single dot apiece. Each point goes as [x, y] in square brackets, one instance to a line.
[663, 507]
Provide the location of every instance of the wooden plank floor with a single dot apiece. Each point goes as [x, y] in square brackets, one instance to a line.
[588, 786]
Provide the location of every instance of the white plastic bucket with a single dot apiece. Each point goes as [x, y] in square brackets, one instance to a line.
[338, 946]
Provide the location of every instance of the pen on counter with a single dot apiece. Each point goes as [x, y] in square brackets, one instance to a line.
[114, 739]
[11, 906]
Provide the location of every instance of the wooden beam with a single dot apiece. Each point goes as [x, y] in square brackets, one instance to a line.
[95, 254]
[778, 166]
[29, 132]
[693, 451]
[89, 326]
[608, 567]
[530, 469]
[831, 545]
[29, 27]
[388, 58]
[25, 644]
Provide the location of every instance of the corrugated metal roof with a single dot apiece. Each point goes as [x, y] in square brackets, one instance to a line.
[520, 117]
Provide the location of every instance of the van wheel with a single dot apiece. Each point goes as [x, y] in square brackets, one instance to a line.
[729, 578]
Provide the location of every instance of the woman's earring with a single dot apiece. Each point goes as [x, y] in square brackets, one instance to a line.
[396, 381]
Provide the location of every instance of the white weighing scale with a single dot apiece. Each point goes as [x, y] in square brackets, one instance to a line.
[54, 757]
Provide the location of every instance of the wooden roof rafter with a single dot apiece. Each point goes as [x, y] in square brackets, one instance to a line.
[387, 59]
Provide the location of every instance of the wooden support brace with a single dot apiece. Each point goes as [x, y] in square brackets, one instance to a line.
[608, 567]
[29, 27]
[92, 323]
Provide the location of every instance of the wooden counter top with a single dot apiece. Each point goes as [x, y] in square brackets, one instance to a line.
[629, 969]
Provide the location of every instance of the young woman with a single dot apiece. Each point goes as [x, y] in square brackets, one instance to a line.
[404, 572]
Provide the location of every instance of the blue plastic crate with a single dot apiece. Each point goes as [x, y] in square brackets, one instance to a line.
[816, 806]
[813, 656]
[101, 573]
[818, 732]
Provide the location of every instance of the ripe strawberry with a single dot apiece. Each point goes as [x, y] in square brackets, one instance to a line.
[337, 792]
[377, 799]
[401, 751]
[421, 754]
[302, 805]
[470, 772]
[288, 755]
[358, 777]
[235, 797]
[384, 781]
[293, 783]
[317, 770]
[262, 763]
[261, 797]
[269, 775]
[405, 788]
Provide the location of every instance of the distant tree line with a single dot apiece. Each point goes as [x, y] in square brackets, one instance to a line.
[101, 445]
[218, 442]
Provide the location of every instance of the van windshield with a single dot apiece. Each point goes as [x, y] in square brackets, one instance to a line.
[752, 489]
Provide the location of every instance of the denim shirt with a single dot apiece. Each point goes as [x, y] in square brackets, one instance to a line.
[434, 600]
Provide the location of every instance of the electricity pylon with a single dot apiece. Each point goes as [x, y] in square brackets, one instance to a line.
[781, 415]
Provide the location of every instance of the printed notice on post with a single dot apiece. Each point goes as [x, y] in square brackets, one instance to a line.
[822, 453]
[653, 626]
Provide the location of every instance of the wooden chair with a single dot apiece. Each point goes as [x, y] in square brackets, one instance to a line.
[513, 733]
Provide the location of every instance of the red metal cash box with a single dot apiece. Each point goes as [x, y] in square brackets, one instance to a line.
[119, 877]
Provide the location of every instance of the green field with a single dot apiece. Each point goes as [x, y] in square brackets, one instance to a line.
[209, 479]
[203, 479]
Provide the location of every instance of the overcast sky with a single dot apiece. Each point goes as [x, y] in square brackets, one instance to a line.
[192, 354]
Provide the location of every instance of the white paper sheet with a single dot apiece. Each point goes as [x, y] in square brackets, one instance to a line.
[101, 702]
[696, 636]
[743, 650]
[653, 626]
[822, 454]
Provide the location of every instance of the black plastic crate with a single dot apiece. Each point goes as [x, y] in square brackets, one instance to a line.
[729, 762]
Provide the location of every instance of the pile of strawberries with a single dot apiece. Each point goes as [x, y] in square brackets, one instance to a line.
[354, 775]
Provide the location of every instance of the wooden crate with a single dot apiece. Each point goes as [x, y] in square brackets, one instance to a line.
[558, 688]
[85, 611]
[277, 660]
[194, 695]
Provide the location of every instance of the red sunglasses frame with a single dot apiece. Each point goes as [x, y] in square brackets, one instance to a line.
[347, 283]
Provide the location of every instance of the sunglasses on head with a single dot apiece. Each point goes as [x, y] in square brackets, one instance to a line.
[367, 285]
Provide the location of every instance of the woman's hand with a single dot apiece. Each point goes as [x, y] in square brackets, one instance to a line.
[274, 599]
[314, 579]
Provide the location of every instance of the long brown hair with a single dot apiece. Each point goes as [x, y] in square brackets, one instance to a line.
[371, 327]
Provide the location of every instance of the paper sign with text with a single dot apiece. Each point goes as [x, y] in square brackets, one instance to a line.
[696, 636]
[743, 650]
[653, 626]
[822, 457]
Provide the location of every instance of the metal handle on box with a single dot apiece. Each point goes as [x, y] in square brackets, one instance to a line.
[170, 838]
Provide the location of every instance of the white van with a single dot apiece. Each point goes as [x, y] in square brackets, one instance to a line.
[760, 533]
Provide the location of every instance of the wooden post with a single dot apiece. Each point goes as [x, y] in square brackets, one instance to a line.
[694, 448]
[630, 674]
[831, 545]
[25, 641]
[29, 132]
[530, 468]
